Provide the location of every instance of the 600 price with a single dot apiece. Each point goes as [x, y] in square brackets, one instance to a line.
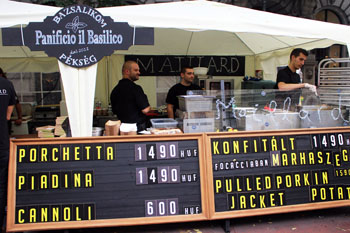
[162, 207]
[158, 175]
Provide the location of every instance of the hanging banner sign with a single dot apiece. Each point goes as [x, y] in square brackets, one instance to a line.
[78, 36]
[171, 65]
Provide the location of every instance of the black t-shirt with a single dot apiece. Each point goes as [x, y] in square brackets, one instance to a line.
[7, 98]
[128, 100]
[176, 90]
[9, 124]
[287, 76]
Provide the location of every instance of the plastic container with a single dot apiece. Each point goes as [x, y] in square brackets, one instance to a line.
[195, 103]
[97, 131]
[164, 123]
[199, 125]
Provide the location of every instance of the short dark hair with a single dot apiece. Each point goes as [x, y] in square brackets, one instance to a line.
[184, 68]
[2, 73]
[296, 52]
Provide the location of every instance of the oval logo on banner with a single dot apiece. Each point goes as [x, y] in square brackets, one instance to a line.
[79, 36]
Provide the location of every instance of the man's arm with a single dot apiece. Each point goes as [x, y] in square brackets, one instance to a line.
[146, 110]
[19, 113]
[170, 109]
[9, 112]
[289, 86]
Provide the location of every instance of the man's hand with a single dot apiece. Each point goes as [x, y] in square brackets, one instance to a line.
[18, 121]
[311, 88]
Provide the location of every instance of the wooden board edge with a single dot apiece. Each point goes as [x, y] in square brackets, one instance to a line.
[203, 176]
[11, 187]
[106, 223]
[280, 209]
[59, 140]
[209, 177]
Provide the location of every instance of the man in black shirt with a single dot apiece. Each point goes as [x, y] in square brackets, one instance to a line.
[7, 102]
[17, 106]
[287, 78]
[128, 100]
[289, 81]
[187, 76]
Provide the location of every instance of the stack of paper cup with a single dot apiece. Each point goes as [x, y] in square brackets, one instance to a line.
[112, 128]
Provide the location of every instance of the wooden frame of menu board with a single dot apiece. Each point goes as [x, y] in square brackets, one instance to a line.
[268, 172]
[67, 183]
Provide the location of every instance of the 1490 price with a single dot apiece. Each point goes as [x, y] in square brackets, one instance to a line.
[327, 140]
[167, 150]
[158, 175]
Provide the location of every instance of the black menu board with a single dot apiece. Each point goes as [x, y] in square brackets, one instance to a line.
[72, 182]
[260, 172]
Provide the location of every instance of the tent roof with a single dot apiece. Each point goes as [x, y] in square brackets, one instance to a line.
[19, 13]
[198, 28]
[16, 13]
[232, 29]
[208, 15]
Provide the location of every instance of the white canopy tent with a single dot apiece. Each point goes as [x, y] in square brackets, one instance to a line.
[198, 28]
[16, 13]
[212, 27]
[20, 14]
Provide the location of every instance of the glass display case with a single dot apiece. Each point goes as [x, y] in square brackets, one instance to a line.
[266, 109]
